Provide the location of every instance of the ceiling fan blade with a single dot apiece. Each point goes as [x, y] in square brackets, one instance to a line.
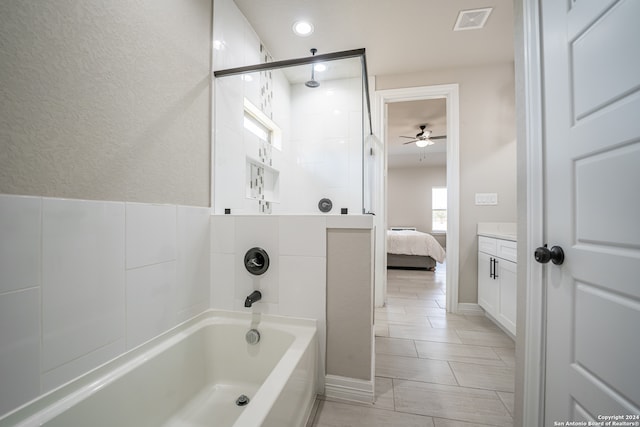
[409, 142]
[438, 137]
[410, 137]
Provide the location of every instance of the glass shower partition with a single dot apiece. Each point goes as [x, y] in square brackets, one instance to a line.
[290, 135]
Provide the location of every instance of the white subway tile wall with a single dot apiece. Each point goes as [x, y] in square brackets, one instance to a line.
[83, 281]
[83, 250]
[193, 263]
[19, 347]
[321, 128]
[20, 233]
[20, 315]
[294, 285]
[150, 301]
[151, 234]
[313, 228]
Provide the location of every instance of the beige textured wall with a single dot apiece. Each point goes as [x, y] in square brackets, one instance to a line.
[349, 303]
[106, 100]
[409, 195]
[487, 151]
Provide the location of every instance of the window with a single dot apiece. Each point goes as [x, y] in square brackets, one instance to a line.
[255, 127]
[439, 209]
[256, 122]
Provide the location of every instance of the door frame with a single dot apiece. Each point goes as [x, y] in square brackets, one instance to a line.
[450, 92]
[531, 324]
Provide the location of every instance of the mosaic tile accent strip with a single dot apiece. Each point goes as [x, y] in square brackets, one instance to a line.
[266, 84]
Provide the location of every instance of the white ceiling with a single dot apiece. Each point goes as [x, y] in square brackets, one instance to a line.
[404, 119]
[400, 36]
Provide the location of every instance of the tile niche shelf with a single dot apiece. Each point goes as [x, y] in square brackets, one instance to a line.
[262, 181]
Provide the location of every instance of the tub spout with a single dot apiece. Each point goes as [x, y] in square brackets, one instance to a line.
[254, 297]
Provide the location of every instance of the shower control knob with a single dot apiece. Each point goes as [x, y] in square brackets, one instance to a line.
[256, 261]
[543, 255]
[325, 205]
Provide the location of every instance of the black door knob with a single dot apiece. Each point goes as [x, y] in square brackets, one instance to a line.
[543, 255]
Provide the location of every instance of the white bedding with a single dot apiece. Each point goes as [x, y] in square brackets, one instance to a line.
[407, 242]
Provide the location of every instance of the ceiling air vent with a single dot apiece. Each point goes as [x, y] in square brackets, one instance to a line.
[472, 19]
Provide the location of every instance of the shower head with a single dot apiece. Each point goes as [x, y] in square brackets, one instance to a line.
[312, 83]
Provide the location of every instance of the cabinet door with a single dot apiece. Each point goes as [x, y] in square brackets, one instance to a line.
[487, 285]
[507, 276]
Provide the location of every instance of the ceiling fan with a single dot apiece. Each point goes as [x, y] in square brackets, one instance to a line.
[423, 138]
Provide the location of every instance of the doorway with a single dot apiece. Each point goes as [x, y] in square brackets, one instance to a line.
[449, 93]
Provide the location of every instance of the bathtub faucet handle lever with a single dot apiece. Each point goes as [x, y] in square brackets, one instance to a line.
[254, 262]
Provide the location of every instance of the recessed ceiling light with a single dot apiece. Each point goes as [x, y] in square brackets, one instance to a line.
[303, 28]
[320, 67]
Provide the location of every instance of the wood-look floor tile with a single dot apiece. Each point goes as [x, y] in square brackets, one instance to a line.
[412, 302]
[481, 320]
[390, 309]
[401, 294]
[430, 311]
[458, 353]
[431, 294]
[423, 333]
[499, 378]
[384, 394]
[404, 318]
[441, 422]
[508, 400]
[334, 414]
[451, 402]
[463, 324]
[433, 371]
[508, 355]
[396, 347]
[490, 339]
[381, 329]
[410, 274]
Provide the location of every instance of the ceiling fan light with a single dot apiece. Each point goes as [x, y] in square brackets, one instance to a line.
[423, 143]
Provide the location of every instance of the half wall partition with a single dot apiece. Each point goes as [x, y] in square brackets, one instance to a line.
[290, 136]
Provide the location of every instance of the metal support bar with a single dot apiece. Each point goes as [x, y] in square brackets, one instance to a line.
[334, 56]
[290, 62]
[365, 77]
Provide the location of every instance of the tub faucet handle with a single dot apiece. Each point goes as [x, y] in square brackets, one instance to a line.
[254, 262]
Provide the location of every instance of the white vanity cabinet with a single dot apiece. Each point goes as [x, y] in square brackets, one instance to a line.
[497, 280]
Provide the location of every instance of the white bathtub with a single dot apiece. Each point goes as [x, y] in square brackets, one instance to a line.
[191, 376]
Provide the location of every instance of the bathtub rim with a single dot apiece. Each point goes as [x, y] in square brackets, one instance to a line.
[54, 402]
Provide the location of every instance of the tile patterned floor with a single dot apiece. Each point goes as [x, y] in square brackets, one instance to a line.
[432, 368]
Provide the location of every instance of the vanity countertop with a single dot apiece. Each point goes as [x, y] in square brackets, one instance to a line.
[498, 230]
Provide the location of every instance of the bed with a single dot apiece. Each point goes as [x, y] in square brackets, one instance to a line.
[412, 249]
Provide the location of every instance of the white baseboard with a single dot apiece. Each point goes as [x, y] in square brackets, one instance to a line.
[470, 308]
[345, 388]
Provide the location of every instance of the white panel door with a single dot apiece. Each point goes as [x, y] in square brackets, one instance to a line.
[591, 81]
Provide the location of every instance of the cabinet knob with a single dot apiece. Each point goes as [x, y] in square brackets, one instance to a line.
[543, 255]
